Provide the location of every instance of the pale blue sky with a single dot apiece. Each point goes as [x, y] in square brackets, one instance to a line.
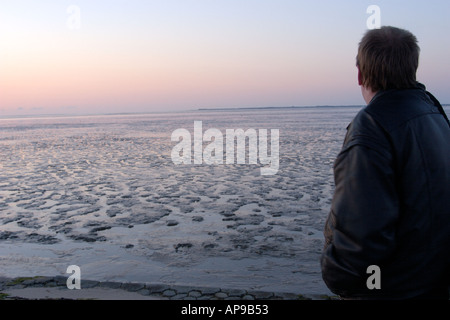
[156, 55]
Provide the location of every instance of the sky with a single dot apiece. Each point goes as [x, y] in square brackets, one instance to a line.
[114, 56]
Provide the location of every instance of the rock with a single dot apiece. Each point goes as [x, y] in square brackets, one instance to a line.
[133, 286]
[195, 294]
[210, 291]
[261, 294]
[110, 285]
[221, 295]
[157, 288]
[169, 293]
[236, 292]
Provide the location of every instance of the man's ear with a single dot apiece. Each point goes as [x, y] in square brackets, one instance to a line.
[360, 78]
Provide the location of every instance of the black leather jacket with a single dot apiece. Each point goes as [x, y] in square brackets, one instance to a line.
[391, 206]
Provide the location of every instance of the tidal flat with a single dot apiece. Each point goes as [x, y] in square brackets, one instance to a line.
[103, 193]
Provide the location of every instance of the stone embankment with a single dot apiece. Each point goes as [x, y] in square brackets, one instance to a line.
[56, 288]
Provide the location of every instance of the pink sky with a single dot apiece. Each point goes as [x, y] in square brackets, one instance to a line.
[127, 59]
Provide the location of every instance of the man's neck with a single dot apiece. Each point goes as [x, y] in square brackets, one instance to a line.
[367, 94]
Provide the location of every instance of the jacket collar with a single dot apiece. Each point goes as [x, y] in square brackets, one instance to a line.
[419, 86]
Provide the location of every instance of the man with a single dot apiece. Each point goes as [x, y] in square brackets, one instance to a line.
[391, 207]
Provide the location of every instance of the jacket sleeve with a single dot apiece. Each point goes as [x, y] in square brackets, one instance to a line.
[360, 229]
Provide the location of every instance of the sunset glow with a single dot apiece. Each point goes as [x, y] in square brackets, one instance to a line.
[144, 56]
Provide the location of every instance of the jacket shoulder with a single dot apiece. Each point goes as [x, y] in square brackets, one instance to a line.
[365, 130]
[394, 108]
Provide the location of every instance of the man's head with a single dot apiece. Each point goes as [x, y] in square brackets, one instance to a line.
[388, 58]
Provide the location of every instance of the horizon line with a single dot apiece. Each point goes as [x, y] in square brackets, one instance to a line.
[42, 115]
